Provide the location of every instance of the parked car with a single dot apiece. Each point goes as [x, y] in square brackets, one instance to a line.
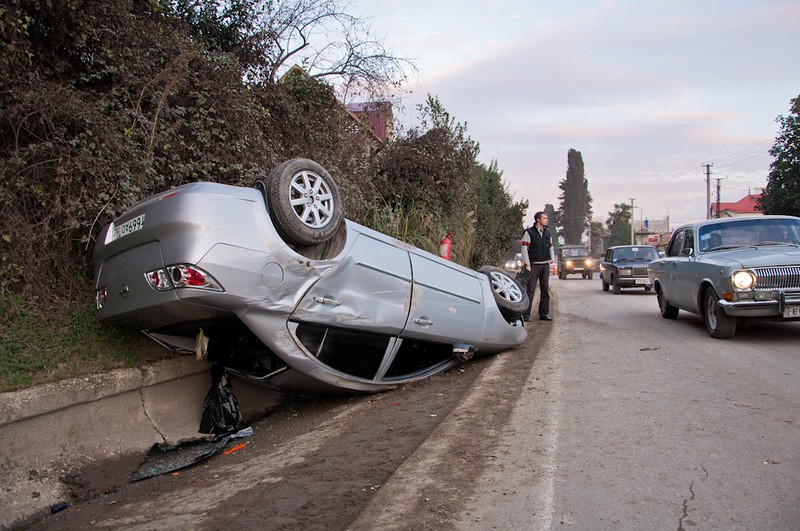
[625, 266]
[275, 285]
[727, 270]
[574, 259]
[514, 265]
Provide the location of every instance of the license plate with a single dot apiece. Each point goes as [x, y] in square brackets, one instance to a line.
[124, 229]
[791, 311]
[645, 281]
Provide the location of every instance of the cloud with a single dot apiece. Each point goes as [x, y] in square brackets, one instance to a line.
[647, 91]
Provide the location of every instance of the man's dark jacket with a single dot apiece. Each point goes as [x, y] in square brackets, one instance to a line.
[539, 249]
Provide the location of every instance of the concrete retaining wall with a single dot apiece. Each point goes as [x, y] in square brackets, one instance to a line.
[47, 430]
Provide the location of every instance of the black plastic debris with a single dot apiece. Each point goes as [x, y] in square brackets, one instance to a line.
[58, 507]
[220, 409]
[166, 458]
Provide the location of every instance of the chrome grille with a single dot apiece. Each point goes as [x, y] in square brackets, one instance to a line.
[787, 277]
[640, 271]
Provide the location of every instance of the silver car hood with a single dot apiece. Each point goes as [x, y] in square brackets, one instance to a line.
[747, 257]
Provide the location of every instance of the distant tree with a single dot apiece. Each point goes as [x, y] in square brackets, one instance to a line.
[782, 194]
[552, 215]
[619, 225]
[270, 36]
[597, 236]
[575, 211]
[499, 217]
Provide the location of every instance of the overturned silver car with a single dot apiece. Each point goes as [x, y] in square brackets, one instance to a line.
[274, 284]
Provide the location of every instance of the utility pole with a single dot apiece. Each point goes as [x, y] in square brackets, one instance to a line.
[708, 190]
[718, 181]
[632, 233]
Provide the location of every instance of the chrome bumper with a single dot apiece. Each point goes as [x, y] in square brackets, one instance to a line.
[770, 308]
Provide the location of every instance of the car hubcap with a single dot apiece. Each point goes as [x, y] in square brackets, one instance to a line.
[711, 312]
[311, 199]
[505, 287]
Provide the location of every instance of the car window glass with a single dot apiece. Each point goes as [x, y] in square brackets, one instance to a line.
[676, 244]
[644, 254]
[688, 242]
[748, 232]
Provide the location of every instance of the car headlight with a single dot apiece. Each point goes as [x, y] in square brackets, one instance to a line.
[743, 280]
[589, 262]
[625, 272]
[568, 263]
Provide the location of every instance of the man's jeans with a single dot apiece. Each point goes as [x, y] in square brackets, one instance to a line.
[539, 273]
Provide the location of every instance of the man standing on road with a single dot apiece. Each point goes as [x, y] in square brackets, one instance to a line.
[536, 254]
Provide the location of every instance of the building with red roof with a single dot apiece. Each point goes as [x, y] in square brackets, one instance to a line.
[746, 206]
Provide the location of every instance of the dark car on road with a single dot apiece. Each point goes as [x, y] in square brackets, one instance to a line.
[731, 270]
[625, 266]
[575, 259]
[274, 284]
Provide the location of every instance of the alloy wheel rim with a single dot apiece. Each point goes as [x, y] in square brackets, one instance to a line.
[311, 199]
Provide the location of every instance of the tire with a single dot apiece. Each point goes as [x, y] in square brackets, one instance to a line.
[668, 311]
[303, 202]
[648, 288]
[605, 284]
[719, 324]
[590, 275]
[615, 285]
[560, 275]
[509, 295]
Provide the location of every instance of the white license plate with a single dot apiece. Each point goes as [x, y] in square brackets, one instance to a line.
[644, 281]
[791, 311]
[116, 232]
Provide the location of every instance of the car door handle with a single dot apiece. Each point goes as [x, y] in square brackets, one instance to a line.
[327, 300]
[423, 321]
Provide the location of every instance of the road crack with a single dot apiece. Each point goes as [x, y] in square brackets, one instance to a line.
[687, 501]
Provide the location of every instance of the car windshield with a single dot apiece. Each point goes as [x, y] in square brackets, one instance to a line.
[575, 252]
[635, 254]
[748, 233]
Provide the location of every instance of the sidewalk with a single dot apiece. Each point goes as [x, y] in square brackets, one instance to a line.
[48, 430]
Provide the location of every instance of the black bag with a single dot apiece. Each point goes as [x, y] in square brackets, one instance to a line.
[220, 409]
[523, 277]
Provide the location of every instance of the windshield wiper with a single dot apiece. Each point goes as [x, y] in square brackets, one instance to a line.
[726, 247]
[778, 243]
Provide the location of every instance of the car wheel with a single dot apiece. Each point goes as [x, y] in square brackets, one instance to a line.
[605, 284]
[615, 285]
[648, 288]
[668, 311]
[590, 276]
[720, 325]
[303, 202]
[510, 296]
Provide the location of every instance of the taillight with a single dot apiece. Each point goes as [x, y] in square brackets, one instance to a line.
[181, 276]
[159, 280]
[100, 297]
[188, 276]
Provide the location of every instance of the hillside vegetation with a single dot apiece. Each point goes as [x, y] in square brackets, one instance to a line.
[104, 103]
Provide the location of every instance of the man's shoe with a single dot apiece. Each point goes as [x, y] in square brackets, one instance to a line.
[545, 318]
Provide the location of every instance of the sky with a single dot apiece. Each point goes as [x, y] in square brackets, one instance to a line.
[648, 91]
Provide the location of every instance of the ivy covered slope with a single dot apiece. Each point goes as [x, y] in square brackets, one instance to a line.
[104, 103]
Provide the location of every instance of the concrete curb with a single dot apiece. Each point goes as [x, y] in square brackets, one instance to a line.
[48, 430]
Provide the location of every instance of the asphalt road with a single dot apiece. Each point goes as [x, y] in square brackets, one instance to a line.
[631, 421]
[610, 417]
